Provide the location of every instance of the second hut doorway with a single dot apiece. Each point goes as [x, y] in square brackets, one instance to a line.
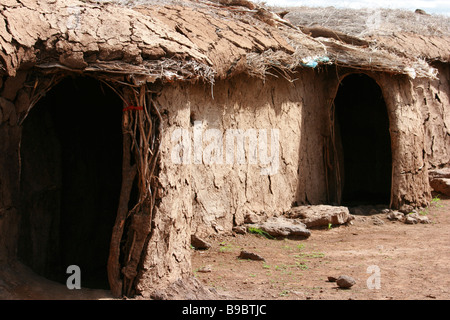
[363, 142]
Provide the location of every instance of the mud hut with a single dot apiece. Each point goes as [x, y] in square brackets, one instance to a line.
[125, 129]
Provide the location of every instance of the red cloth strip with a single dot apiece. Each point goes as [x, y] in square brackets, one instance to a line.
[132, 108]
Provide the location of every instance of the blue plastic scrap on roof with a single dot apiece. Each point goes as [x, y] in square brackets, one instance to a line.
[312, 62]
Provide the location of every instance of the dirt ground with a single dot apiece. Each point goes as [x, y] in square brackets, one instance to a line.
[413, 261]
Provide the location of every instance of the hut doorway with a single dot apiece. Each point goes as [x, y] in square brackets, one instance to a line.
[363, 142]
[71, 162]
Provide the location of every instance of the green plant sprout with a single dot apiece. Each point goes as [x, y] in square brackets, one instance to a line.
[259, 232]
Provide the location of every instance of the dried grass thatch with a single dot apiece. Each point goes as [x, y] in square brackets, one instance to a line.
[400, 32]
[201, 40]
[369, 22]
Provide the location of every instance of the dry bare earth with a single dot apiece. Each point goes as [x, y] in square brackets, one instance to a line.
[414, 261]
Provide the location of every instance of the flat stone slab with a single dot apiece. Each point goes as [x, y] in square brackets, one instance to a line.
[441, 185]
[250, 256]
[320, 215]
[199, 243]
[283, 227]
[439, 173]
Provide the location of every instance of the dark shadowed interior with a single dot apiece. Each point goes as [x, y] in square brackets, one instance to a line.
[71, 158]
[363, 125]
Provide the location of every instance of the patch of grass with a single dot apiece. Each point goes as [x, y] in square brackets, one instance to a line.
[260, 232]
[280, 267]
[310, 255]
[301, 265]
[284, 293]
[435, 202]
[224, 247]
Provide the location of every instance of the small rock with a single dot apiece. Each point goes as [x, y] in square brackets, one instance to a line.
[414, 218]
[395, 216]
[362, 219]
[332, 279]
[199, 243]
[406, 208]
[240, 229]
[251, 256]
[377, 221]
[424, 219]
[410, 219]
[251, 217]
[205, 269]
[345, 282]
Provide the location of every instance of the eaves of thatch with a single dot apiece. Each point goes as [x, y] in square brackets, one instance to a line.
[189, 41]
[426, 47]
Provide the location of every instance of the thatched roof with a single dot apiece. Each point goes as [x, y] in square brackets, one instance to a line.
[185, 40]
[406, 33]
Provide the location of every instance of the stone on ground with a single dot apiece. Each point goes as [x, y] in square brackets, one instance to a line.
[320, 215]
[396, 216]
[440, 180]
[199, 243]
[250, 255]
[441, 185]
[345, 282]
[282, 227]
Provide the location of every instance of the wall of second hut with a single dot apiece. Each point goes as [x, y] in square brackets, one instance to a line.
[419, 113]
[435, 112]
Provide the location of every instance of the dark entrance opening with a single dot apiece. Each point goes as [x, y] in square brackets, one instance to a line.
[71, 163]
[362, 123]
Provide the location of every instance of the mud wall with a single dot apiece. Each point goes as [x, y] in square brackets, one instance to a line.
[435, 112]
[223, 192]
[419, 126]
[409, 171]
[14, 99]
